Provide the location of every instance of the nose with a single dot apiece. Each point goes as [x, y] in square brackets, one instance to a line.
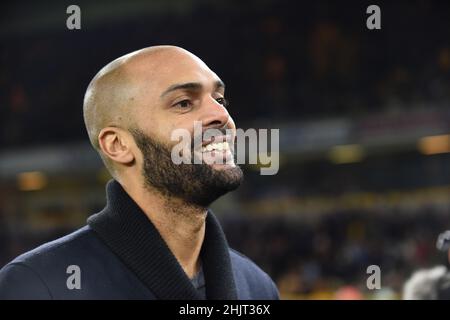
[214, 115]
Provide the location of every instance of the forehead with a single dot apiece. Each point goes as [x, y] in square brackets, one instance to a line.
[154, 74]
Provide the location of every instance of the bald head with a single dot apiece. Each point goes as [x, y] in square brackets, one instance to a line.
[134, 82]
[133, 106]
[111, 94]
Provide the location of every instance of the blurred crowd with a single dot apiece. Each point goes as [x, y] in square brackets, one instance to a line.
[319, 260]
[280, 61]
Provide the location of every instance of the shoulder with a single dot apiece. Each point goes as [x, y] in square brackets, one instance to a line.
[37, 273]
[63, 248]
[251, 281]
[13, 278]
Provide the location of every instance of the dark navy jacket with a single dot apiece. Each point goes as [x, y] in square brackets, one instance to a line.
[121, 255]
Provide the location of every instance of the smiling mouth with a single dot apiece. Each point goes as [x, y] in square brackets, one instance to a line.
[216, 146]
[219, 143]
[218, 150]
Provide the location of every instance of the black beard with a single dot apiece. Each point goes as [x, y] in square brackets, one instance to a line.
[197, 184]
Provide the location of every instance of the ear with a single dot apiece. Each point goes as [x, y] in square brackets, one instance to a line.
[115, 143]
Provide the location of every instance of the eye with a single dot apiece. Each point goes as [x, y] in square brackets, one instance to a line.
[183, 104]
[222, 101]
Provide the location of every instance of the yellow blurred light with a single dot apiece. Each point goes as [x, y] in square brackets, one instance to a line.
[30, 181]
[434, 144]
[350, 153]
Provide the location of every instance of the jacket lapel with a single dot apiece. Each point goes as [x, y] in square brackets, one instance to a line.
[128, 232]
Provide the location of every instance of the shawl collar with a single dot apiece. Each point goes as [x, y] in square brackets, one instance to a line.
[127, 231]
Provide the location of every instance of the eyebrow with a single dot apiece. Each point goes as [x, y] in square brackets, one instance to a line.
[191, 86]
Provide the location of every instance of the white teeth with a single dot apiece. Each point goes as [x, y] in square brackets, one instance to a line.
[216, 146]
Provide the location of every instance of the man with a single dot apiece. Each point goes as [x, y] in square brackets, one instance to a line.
[443, 245]
[155, 239]
[428, 284]
[433, 283]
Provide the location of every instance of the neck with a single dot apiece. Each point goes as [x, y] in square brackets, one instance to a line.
[181, 225]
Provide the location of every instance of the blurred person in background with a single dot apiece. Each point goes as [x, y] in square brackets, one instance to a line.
[156, 238]
[434, 283]
[428, 284]
[443, 245]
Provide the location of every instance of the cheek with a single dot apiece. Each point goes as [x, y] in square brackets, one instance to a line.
[154, 126]
[179, 133]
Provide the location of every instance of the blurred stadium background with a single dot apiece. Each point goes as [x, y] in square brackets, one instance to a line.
[364, 123]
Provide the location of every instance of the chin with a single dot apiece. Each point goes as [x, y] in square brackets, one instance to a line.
[223, 167]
